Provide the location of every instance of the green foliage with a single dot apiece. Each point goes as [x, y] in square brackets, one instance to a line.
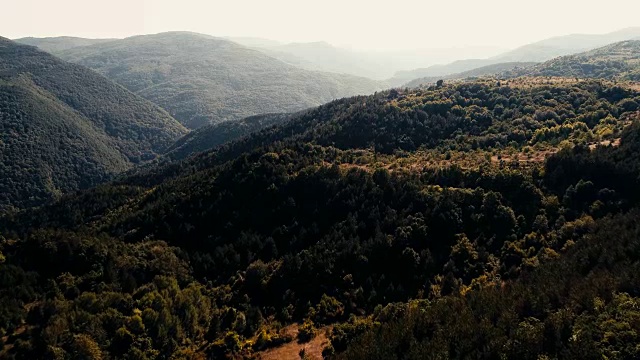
[63, 127]
[307, 331]
[389, 216]
[576, 306]
[209, 136]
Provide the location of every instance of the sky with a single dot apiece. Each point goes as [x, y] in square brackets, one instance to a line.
[358, 24]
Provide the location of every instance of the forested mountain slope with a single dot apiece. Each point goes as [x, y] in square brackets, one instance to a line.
[619, 61]
[332, 217]
[64, 127]
[210, 136]
[200, 79]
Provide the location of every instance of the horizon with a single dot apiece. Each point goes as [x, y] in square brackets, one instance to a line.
[357, 25]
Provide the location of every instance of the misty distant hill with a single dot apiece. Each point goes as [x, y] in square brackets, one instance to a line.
[566, 45]
[481, 71]
[536, 52]
[323, 56]
[402, 77]
[619, 61]
[56, 44]
[380, 64]
[200, 79]
[64, 127]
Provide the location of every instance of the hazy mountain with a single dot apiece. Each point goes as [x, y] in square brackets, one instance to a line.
[481, 71]
[65, 127]
[536, 52]
[254, 42]
[210, 136]
[200, 79]
[56, 44]
[619, 61]
[402, 77]
[566, 45]
[323, 56]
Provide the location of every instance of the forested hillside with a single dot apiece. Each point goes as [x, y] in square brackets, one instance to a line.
[200, 79]
[64, 127]
[210, 136]
[468, 199]
[619, 61]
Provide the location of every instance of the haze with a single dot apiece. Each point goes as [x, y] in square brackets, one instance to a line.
[491, 25]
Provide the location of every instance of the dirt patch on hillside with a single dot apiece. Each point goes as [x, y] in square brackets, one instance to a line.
[291, 351]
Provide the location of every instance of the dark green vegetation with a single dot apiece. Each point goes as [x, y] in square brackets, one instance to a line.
[619, 61]
[339, 216]
[488, 70]
[64, 127]
[201, 79]
[210, 136]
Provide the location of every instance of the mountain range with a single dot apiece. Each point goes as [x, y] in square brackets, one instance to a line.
[200, 79]
[536, 52]
[324, 57]
[618, 61]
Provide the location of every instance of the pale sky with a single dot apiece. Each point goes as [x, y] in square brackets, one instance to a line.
[360, 24]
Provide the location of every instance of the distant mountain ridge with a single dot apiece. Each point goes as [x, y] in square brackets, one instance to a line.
[63, 127]
[493, 69]
[200, 79]
[566, 45]
[619, 61]
[536, 52]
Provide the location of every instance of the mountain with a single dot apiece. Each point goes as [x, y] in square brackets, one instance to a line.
[254, 42]
[379, 64]
[566, 45]
[64, 127]
[487, 219]
[478, 72]
[536, 52]
[619, 61]
[200, 79]
[210, 136]
[323, 56]
[55, 45]
[402, 77]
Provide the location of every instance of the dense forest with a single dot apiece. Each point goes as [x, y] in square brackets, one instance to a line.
[489, 219]
[64, 127]
[201, 79]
